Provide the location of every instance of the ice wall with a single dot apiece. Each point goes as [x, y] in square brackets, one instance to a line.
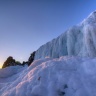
[80, 40]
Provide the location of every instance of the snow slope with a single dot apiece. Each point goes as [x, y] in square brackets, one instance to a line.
[80, 40]
[65, 76]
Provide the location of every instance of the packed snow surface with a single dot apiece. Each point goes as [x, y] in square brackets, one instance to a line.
[64, 76]
[80, 40]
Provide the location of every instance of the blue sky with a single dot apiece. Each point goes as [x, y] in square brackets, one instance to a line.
[27, 24]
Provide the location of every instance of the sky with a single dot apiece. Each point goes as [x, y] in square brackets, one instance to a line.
[25, 25]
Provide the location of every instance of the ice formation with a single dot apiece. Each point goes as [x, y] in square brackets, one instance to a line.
[65, 76]
[80, 40]
[70, 72]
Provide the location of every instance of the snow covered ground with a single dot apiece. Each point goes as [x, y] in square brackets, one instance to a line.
[64, 76]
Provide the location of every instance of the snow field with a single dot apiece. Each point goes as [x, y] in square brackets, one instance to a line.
[65, 76]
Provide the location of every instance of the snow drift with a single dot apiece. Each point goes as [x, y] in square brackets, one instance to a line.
[80, 40]
[65, 76]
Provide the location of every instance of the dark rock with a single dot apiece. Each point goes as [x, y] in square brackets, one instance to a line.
[31, 58]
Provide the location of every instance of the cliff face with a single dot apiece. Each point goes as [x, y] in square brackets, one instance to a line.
[80, 40]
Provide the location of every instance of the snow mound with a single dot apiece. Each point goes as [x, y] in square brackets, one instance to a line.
[80, 40]
[9, 71]
[65, 76]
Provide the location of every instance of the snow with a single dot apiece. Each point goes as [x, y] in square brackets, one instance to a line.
[80, 40]
[9, 71]
[65, 66]
[64, 76]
